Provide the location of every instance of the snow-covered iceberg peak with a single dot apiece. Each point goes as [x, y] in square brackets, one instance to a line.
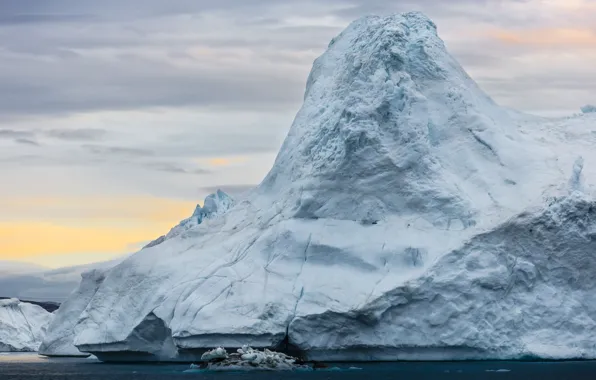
[214, 205]
[391, 123]
[22, 325]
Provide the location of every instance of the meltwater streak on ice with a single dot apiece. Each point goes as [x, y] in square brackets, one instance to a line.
[407, 216]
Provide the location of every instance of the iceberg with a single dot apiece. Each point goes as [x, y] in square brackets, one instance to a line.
[588, 109]
[22, 325]
[407, 216]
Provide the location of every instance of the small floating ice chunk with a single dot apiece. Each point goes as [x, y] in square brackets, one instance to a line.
[217, 353]
[498, 370]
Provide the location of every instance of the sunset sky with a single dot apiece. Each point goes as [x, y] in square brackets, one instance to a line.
[117, 117]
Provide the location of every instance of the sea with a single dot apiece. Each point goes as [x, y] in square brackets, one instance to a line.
[34, 367]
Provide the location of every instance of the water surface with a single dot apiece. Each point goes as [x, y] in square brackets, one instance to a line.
[31, 366]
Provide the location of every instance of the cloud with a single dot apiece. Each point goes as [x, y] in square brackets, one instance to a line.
[230, 189]
[225, 161]
[8, 19]
[552, 38]
[118, 150]
[230, 54]
[80, 134]
[25, 141]
[174, 168]
[14, 134]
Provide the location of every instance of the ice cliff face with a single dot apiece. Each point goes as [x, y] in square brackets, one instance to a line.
[22, 325]
[61, 331]
[406, 216]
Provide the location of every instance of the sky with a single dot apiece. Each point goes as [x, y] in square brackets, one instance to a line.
[118, 117]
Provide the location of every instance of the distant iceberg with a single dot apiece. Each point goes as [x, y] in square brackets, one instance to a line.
[22, 325]
[588, 109]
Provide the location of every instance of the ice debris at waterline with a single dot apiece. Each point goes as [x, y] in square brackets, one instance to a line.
[247, 358]
[407, 216]
[22, 325]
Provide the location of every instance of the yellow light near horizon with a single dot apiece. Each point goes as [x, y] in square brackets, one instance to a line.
[46, 227]
[572, 5]
[549, 37]
[39, 238]
[145, 208]
[226, 161]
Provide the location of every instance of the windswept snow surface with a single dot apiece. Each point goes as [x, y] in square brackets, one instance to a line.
[407, 216]
[22, 325]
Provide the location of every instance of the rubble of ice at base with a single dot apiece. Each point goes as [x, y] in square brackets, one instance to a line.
[247, 358]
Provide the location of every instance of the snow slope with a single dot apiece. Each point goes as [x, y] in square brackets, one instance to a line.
[63, 329]
[406, 216]
[22, 325]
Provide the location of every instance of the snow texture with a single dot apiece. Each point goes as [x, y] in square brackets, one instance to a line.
[407, 216]
[22, 325]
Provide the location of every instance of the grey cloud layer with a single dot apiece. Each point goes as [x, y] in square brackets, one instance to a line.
[66, 56]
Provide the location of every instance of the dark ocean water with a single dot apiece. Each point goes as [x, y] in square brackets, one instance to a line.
[27, 366]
